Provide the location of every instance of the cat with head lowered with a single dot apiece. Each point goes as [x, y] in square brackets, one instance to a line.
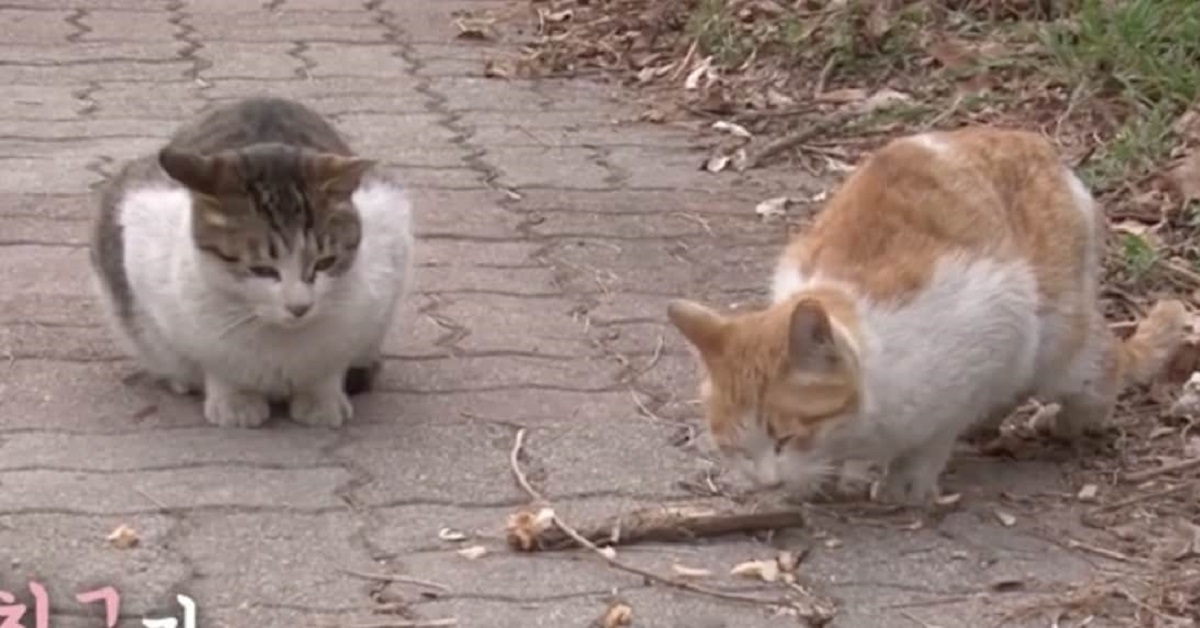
[952, 276]
[255, 258]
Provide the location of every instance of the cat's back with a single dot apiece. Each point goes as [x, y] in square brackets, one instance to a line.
[260, 120]
[944, 203]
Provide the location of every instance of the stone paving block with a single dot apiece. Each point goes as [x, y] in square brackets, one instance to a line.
[117, 25]
[41, 102]
[49, 309]
[407, 460]
[516, 373]
[352, 27]
[547, 166]
[37, 230]
[36, 27]
[49, 342]
[200, 487]
[565, 128]
[89, 129]
[97, 71]
[251, 60]
[483, 280]
[233, 8]
[120, 149]
[311, 88]
[47, 175]
[419, 129]
[287, 446]
[423, 26]
[451, 67]
[90, 52]
[313, 548]
[457, 179]
[477, 94]
[68, 555]
[45, 269]
[124, 5]
[395, 103]
[368, 60]
[464, 253]
[503, 322]
[458, 214]
[174, 101]
[98, 401]
[55, 207]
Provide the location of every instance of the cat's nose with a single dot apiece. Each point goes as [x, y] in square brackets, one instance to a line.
[299, 309]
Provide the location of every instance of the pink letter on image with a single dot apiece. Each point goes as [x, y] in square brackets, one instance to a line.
[111, 599]
[10, 612]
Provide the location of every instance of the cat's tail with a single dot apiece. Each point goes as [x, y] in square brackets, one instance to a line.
[1144, 354]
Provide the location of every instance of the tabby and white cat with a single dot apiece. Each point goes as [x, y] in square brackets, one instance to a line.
[257, 259]
[952, 275]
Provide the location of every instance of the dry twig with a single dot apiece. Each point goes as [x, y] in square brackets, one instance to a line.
[815, 615]
[1146, 474]
[387, 577]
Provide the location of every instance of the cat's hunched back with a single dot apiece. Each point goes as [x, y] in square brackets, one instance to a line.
[256, 258]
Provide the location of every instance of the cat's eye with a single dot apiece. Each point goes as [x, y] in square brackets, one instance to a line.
[266, 272]
[324, 264]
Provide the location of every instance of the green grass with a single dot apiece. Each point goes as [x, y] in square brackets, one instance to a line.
[1146, 54]
[1138, 256]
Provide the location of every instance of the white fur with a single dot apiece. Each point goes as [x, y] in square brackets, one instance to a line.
[962, 353]
[961, 349]
[199, 328]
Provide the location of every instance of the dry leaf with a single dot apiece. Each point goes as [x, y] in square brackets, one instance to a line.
[777, 99]
[618, 614]
[1088, 493]
[690, 572]
[1188, 403]
[952, 54]
[448, 534]
[474, 28]
[555, 17]
[773, 207]
[765, 570]
[472, 552]
[123, 537]
[1186, 177]
[1005, 519]
[732, 128]
[844, 95]
[948, 499]
[883, 99]
[788, 561]
[833, 543]
[493, 68]
[703, 69]
[653, 115]
[524, 527]
[716, 163]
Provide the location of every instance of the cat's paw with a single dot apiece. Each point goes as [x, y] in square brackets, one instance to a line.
[905, 489]
[235, 409]
[322, 410]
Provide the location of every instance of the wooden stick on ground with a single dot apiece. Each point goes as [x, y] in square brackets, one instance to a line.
[609, 556]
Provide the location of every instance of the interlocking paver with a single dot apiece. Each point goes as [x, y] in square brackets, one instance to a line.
[553, 231]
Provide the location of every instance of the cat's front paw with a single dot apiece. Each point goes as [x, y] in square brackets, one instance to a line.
[905, 489]
[329, 409]
[225, 408]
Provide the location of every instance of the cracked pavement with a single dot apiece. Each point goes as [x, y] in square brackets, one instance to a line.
[551, 238]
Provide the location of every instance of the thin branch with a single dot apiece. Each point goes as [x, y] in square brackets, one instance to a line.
[609, 556]
[1182, 465]
[387, 577]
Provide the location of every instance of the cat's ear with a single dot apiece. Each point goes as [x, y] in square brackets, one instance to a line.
[339, 175]
[812, 347]
[205, 174]
[702, 327]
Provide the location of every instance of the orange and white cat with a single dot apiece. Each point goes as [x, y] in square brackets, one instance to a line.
[952, 276]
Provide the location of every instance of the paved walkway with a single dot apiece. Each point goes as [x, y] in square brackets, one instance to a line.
[551, 239]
